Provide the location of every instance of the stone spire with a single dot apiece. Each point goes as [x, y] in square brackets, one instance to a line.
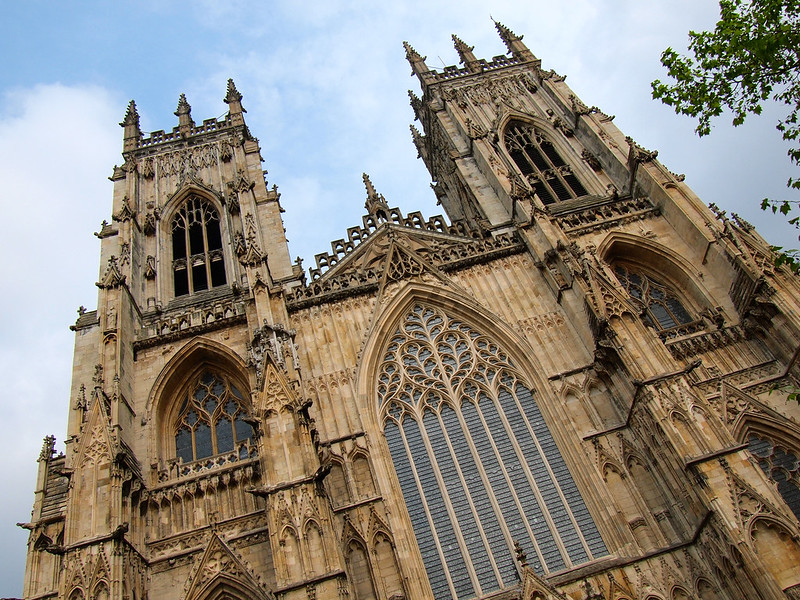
[130, 123]
[234, 101]
[465, 54]
[375, 201]
[184, 114]
[513, 42]
[419, 141]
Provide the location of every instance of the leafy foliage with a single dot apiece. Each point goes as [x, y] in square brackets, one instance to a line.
[751, 57]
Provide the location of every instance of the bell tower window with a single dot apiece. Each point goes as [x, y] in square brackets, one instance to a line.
[551, 177]
[197, 259]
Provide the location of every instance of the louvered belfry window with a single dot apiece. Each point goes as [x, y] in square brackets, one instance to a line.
[197, 259]
[477, 464]
[550, 176]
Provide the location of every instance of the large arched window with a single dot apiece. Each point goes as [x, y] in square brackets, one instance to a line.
[551, 177]
[781, 466]
[211, 420]
[662, 307]
[197, 259]
[477, 464]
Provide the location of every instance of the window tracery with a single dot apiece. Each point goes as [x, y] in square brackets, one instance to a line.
[197, 259]
[477, 464]
[551, 177]
[781, 466]
[662, 307]
[211, 420]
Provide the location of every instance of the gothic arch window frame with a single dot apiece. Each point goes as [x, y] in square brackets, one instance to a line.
[668, 269]
[173, 210]
[523, 357]
[177, 379]
[781, 438]
[556, 176]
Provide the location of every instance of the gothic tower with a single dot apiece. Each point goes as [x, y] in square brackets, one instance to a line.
[574, 386]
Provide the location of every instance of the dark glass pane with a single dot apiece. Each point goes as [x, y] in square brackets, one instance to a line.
[178, 243]
[522, 162]
[536, 158]
[558, 187]
[244, 431]
[192, 417]
[202, 440]
[544, 194]
[791, 495]
[551, 153]
[183, 445]
[665, 320]
[416, 511]
[196, 243]
[217, 272]
[678, 311]
[210, 404]
[181, 282]
[224, 430]
[575, 184]
[212, 232]
[199, 279]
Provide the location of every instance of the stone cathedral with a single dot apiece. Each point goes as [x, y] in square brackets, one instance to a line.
[573, 386]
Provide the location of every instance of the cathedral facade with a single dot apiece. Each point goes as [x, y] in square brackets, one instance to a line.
[574, 385]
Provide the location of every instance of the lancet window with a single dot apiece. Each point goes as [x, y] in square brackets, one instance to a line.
[662, 307]
[781, 466]
[477, 464]
[211, 421]
[197, 259]
[551, 177]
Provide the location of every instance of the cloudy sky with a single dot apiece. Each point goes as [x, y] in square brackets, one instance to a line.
[325, 86]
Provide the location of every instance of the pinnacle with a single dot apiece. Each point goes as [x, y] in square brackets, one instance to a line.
[233, 94]
[461, 45]
[505, 33]
[184, 108]
[131, 115]
[375, 200]
[411, 54]
[371, 193]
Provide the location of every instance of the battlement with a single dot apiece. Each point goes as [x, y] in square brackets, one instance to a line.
[161, 136]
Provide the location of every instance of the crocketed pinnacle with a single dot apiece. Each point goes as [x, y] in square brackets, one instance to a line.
[508, 36]
[233, 94]
[131, 115]
[464, 50]
[412, 55]
[183, 106]
[375, 200]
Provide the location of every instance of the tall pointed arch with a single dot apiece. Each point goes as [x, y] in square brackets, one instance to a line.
[477, 464]
[537, 158]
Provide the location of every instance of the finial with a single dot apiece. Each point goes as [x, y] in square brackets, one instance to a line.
[233, 94]
[375, 201]
[183, 106]
[131, 115]
[48, 447]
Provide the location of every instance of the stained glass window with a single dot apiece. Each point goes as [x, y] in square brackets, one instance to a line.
[211, 420]
[477, 464]
[197, 260]
[662, 307]
[781, 466]
[537, 158]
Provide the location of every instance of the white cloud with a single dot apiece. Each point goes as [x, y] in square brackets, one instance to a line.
[56, 145]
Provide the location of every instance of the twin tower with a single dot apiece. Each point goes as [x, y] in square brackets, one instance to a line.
[570, 387]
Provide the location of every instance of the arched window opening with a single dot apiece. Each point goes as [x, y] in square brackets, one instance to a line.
[477, 464]
[551, 177]
[197, 259]
[663, 310]
[211, 420]
[781, 466]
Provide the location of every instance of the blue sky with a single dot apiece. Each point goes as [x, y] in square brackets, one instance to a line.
[325, 86]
